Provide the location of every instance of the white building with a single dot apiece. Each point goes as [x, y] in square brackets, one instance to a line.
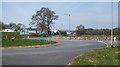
[8, 30]
[54, 31]
[23, 32]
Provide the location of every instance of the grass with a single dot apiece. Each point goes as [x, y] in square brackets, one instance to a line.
[103, 56]
[24, 42]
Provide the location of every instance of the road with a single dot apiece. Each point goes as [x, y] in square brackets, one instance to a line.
[54, 55]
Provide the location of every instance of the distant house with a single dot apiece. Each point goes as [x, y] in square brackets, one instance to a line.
[54, 31]
[29, 30]
[69, 32]
[33, 30]
[23, 32]
[8, 30]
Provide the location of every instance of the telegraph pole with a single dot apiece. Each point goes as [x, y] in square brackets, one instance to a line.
[69, 25]
[112, 24]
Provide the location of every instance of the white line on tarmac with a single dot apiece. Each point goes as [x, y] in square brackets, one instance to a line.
[103, 42]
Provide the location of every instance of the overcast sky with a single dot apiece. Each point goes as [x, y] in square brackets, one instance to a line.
[89, 14]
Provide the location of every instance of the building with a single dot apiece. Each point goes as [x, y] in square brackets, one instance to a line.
[29, 30]
[8, 30]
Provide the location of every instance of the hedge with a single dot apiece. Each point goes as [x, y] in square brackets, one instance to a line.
[10, 35]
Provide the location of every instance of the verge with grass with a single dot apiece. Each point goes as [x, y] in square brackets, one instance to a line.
[102, 56]
[24, 42]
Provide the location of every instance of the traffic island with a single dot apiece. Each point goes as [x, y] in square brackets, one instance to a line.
[27, 43]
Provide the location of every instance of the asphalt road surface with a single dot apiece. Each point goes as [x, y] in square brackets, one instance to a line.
[54, 55]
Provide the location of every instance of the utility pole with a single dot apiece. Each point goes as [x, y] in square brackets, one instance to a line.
[112, 24]
[69, 25]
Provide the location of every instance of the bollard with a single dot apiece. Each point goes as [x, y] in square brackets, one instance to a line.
[6, 36]
[28, 37]
[114, 39]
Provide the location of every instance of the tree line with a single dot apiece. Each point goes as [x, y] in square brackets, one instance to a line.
[81, 30]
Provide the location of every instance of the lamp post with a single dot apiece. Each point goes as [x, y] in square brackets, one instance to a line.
[112, 25]
[69, 25]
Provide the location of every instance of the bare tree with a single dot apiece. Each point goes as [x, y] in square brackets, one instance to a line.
[13, 26]
[0, 25]
[16, 27]
[43, 19]
[19, 25]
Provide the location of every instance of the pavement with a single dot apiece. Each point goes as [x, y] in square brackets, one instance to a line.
[54, 55]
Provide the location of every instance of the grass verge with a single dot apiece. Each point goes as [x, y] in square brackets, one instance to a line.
[24, 42]
[103, 56]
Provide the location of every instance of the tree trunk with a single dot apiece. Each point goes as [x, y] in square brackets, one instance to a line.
[41, 30]
[48, 31]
